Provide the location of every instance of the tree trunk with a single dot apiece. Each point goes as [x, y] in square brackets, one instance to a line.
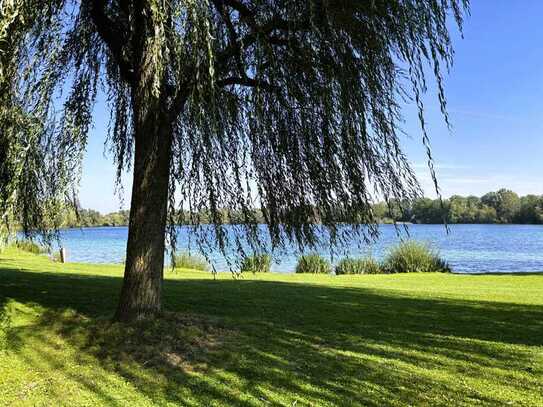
[143, 275]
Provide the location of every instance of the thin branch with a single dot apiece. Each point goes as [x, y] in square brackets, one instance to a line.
[114, 39]
[244, 11]
[276, 23]
[245, 81]
[233, 37]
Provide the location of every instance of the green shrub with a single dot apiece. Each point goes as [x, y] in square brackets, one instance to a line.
[257, 263]
[313, 263]
[30, 246]
[366, 265]
[187, 261]
[414, 257]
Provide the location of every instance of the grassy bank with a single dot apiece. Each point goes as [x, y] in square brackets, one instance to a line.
[268, 339]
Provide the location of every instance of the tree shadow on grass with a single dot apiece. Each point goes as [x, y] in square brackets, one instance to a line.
[280, 343]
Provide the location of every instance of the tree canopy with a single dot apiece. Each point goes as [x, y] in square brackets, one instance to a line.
[293, 107]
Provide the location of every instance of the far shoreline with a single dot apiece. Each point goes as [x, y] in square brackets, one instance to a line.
[379, 224]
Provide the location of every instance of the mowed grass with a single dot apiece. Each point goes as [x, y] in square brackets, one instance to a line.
[295, 340]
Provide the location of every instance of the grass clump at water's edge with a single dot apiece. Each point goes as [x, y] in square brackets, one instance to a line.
[185, 260]
[414, 257]
[406, 257]
[313, 263]
[365, 265]
[256, 263]
[413, 339]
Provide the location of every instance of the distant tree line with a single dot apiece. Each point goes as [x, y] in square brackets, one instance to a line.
[503, 206]
[70, 218]
[91, 218]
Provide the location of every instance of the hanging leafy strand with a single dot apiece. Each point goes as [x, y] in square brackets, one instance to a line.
[293, 107]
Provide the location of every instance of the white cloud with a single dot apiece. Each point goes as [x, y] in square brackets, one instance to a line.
[460, 182]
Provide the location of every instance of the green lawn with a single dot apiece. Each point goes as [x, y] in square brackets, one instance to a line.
[431, 339]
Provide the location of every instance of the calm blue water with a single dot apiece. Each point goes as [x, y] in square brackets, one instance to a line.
[467, 248]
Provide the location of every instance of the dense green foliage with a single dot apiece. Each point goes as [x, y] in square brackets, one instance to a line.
[256, 263]
[413, 257]
[503, 206]
[185, 260]
[365, 265]
[313, 263]
[271, 339]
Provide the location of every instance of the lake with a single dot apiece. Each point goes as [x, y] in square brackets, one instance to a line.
[467, 248]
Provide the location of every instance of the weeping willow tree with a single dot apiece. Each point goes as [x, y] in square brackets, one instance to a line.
[291, 107]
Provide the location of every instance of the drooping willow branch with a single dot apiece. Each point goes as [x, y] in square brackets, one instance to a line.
[293, 108]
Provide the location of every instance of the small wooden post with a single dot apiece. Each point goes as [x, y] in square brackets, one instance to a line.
[63, 256]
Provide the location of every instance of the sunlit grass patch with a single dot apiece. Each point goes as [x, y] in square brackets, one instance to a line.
[271, 339]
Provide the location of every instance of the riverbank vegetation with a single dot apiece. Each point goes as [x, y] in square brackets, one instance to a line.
[186, 260]
[313, 263]
[414, 257]
[406, 257]
[365, 265]
[256, 263]
[270, 339]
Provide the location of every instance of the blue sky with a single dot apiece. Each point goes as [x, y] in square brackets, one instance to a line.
[495, 100]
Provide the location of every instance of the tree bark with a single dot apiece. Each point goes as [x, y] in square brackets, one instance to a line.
[133, 49]
[143, 275]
